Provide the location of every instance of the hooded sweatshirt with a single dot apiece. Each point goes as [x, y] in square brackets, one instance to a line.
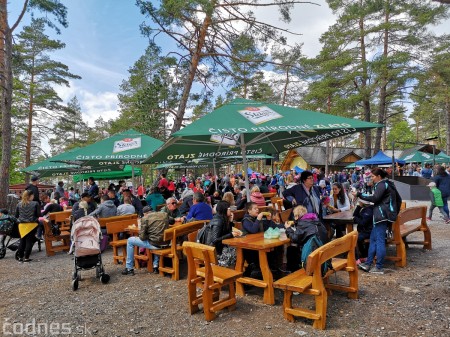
[105, 210]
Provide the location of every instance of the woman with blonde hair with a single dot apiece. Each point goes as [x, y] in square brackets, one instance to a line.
[257, 197]
[28, 213]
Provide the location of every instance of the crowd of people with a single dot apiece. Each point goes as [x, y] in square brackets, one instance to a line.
[311, 195]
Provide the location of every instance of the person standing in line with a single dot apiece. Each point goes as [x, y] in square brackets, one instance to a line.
[34, 189]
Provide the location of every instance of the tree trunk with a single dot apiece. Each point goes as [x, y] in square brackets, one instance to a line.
[5, 99]
[366, 95]
[195, 60]
[286, 83]
[447, 109]
[384, 81]
[30, 126]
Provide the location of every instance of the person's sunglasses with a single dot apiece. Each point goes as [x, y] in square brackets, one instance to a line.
[174, 203]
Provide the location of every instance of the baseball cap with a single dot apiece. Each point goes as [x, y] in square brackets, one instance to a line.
[34, 178]
[146, 209]
[432, 184]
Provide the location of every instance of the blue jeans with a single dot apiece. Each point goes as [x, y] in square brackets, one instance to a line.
[445, 205]
[441, 209]
[377, 244]
[135, 241]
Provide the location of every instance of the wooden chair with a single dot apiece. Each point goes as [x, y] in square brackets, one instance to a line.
[277, 203]
[61, 218]
[104, 221]
[284, 215]
[173, 234]
[402, 227]
[312, 282]
[203, 269]
[62, 241]
[238, 215]
[114, 228]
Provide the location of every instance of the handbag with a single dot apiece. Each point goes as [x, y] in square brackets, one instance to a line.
[55, 229]
[14, 246]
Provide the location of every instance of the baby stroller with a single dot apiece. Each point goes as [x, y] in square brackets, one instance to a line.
[86, 236]
[9, 227]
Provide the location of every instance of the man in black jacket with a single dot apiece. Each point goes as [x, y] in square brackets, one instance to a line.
[33, 188]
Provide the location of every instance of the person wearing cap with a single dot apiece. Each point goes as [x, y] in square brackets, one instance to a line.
[34, 189]
[436, 201]
[363, 217]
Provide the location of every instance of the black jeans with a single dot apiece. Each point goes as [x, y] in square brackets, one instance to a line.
[26, 244]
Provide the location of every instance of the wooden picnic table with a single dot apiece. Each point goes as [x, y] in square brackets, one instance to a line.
[341, 218]
[263, 246]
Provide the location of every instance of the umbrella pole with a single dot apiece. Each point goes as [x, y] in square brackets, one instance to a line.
[132, 177]
[215, 173]
[245, 164]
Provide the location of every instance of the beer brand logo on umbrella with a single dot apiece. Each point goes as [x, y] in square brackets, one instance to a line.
[226, 139]
[259, 115]
[127, 144]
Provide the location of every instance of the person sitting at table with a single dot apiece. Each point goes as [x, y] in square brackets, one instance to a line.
[339, 202]
[363, 217]
[106, 209]
[304, 194]
[299, 231]
[154, 198]
[137, 204]
[254, 222]
[151, 235]
[241, 199]
[113, 196]
[87, 198]
[126, 207]
[199, 210]
[172, 210]
[228, 197]
[257, 197]
[221, 229]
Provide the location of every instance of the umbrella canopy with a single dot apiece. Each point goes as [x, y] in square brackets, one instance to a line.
[50, 168]
[255, 128]
[108, 174]
[122, 148]
[244, 127]
[419, 157]
[379, 159]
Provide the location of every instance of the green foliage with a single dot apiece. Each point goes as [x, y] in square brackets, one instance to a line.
[401, 133]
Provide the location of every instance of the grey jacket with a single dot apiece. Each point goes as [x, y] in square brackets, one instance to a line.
[28, 213]
[125, 209]
[105, 210]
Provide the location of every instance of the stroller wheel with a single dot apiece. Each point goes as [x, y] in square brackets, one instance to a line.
[104, 278]
[17, 255]
[75, 276]
[74, 285]
[2, 253]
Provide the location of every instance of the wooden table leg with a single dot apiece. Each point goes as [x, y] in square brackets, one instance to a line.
[239, 267]
[349, 227]
[269, 297]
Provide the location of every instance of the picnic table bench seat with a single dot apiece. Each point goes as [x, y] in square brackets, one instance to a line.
[310, 281]
[405, 225]
[173, 235]
[55, 243]
[114, 228]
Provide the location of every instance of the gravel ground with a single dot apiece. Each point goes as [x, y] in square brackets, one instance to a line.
[411, 301]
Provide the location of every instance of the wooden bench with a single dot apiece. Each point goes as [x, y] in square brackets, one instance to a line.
[402, 227]
[62, 240]
[61, 218]
[203, 270]
[171, 234]
[311, 281]
[104, 221]
[115, 228]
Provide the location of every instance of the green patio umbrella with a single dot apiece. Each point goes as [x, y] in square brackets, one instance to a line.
[243, 127]
[108, 174]
[122, 148]
[128, 147]
[50, 168]
[420, 157]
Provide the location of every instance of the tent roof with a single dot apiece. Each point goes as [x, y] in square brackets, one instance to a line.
[379, 159]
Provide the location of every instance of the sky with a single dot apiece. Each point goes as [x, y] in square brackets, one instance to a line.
[103, 41]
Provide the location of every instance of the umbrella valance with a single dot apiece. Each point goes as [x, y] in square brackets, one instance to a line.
[108, 174]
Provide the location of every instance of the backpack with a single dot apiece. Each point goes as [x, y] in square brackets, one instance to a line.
[203, 234]
[311, 245]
